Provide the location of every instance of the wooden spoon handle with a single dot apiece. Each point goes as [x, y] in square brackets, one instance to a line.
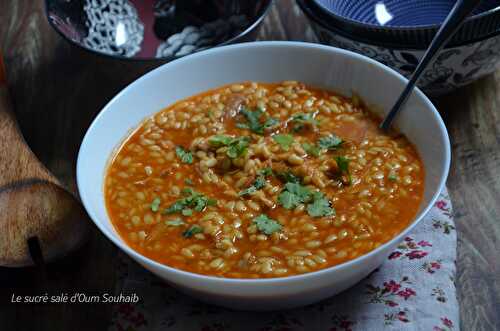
[17, 161]
[35, 211]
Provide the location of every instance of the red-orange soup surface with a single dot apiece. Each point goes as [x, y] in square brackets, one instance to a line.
[258, 180]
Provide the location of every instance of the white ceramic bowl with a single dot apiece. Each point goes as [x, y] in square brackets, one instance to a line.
[313, 64]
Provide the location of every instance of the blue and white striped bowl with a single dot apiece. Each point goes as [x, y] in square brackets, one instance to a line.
[407, 22]
[455, 66]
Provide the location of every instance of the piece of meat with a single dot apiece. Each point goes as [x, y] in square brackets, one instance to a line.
[233, 105]
[355, 131]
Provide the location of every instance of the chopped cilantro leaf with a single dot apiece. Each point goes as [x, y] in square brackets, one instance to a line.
[187, 212]
[267, 225]
[220, 140]
[343, 164]
[320, 206]
[257, 185]
[237, 147]
[253, 121]
[284, 140]
[192, 231]
[184, 155]
[288, 200]
[301, 191]
[249, 190]
[175, 222]
[330, 142]
[293, 195]
[194, 200]
[288, 177]
[188, 181]
[176, 207]
[200, 202]
[311, 149]
[155, 205]
[300, 120]
[259, 182]
[187, 191]
[265, 171]
[270, 122]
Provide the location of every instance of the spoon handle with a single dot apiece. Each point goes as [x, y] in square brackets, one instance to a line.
[39, 219]
[452, 23]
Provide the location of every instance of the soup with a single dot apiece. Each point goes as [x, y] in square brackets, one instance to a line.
[257, 180]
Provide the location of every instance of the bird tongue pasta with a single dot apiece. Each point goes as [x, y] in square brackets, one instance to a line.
[258, 180]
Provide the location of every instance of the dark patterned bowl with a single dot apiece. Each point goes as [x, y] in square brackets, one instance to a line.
[155, 29]
[410, 22]
[455, 66]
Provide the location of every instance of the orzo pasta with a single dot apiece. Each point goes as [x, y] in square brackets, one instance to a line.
[258, 180]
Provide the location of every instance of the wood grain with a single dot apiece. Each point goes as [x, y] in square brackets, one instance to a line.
[472, 115]
[58, 89]
[33, 205]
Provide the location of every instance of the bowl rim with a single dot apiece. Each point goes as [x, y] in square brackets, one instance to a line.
[435, 27]
[308, 12]
[267, 281]
[259, 18]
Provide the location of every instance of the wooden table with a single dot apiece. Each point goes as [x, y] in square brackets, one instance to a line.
[58, 89]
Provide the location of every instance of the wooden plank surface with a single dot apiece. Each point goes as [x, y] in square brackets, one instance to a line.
[58, 89]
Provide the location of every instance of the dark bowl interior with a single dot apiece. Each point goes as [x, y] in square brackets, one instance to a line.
[154, 29]
[398, 13]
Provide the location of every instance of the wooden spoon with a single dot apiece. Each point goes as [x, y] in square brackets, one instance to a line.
[39, 220]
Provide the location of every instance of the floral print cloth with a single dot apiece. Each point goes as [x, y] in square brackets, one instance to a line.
[413, 290]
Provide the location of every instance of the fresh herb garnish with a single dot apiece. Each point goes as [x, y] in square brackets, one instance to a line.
[259, 182]
[184, 155]
[311, 149]
[155, 205]
[343, 164]
[176, 207]
[265, 171]
[284, 140]
[211, 202]
[220, 140]
[288, 200]
[295, 194]
[288, 177]
[194, 200]
[187, 212]
[330, 142]
[267, 225]
[392, 177]
[235, 146]
[188, 181]
[320, 206]
[175, 222]
[270, 122]
[253, 121]
[187, 191]
[192, 231]
[238, 147]
[300, 120]
[249, 190]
